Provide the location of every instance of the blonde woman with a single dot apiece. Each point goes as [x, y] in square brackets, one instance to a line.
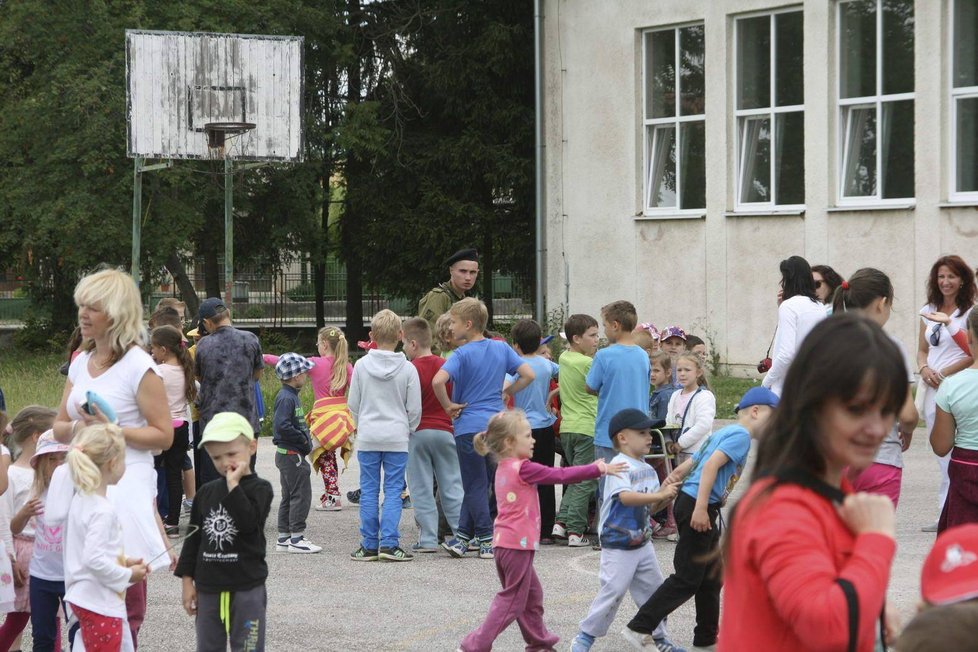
[114, 365]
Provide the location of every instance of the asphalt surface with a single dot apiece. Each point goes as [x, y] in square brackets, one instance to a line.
[328, 602]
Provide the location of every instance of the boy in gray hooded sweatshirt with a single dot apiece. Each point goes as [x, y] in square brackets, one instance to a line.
[385, 401]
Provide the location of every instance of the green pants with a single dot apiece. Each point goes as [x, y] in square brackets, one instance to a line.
[578, 450]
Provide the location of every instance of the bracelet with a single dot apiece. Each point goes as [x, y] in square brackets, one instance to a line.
[74, 424]
[921, 370]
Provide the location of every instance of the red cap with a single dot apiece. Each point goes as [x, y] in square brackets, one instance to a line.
[366, 345]
[950, 571]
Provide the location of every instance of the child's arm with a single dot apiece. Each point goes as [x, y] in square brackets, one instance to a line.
[31, 508]
[439, 387]
[679, 473]
[533, 473]
[269, 359]
[413, 399]
[98, 558]
[941, 435]
[909, 417]
[189, 596]
[526, 377]
[700, 521]
[286, 426]
[595, 376]
[655, 500]
[353, 397]
[706, 410]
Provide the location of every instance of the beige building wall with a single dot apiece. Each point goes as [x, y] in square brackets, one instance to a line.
[717, 274]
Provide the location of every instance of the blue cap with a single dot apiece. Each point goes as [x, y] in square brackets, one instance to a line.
[546, 339]
[757, 396]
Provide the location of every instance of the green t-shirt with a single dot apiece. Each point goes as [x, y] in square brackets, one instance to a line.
[958, 396]
[578, 409]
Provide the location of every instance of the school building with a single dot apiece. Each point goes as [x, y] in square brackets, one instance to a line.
[691, 145]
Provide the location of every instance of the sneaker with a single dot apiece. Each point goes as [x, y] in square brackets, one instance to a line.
[422, 549]
[485, 550]
[577, 541]
[929, 528]
[674, 537]
[665, 645]
[362, 554]
[330, 504]
[353, 496]
[172, 531]
[664, 532]
[559, 531]
[596, 545]
[282, 545]
[638, 640]
[406, 503]
[473, 545]
[303, 546]
[394, 554]
[582, 642]
[456, 547]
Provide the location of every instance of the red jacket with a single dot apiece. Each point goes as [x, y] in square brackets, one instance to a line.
[780, 591]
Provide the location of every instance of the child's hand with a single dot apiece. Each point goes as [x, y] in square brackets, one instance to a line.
[455, 409]
[700, 520]
[139, 572]
[20, 575]
[673, 478]
[236, 471]
[33, 507]
[673, 448]
[189, 596]
[667, 493]
[615, 469]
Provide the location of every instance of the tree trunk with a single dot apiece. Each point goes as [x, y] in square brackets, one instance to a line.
[212, 272]
[350, 231]
[187, 291]
[485, 271]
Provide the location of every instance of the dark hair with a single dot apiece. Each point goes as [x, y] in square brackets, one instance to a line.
[622, 312]
[74, 341]
[526, 334]
[796, 279]
[577, 325]
[946, 627]
[829, 276]
[966, 295]
[171, 339]
[693, 340]
[864, 287]
[165, 316]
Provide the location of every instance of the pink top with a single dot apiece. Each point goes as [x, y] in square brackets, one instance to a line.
[319, 375]
[518, 518]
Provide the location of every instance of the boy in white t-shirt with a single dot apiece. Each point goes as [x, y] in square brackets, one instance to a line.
[628, 561]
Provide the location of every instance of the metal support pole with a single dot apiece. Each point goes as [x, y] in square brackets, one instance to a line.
[539, 300]
[137, 215]
[228, 232]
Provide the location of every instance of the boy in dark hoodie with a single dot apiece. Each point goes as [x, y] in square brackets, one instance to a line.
[385, 401]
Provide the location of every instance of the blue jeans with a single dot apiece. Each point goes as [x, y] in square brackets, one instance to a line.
[474, 518]
[374, 523]
[432, 455]
[46, 597]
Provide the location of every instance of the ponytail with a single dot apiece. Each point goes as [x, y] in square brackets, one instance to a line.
[339, 379]
[93, 449]
[865, 286]
[171, 339]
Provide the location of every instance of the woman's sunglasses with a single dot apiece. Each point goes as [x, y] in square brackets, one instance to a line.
[935, 335]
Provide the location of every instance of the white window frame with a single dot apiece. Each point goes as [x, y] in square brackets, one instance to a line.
[957, 94]
[868, 101]
[769, 112]
[676, 121]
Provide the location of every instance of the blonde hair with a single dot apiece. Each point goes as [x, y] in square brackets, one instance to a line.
[662, 359]
[417, 329]
[643, 339]
[91, 451]
[443, 332]
[385, 327]
[30, 421]
[336, 340]
[115, 293]
[473, 310]
[172, 302]
[695, 359]
[501, 432]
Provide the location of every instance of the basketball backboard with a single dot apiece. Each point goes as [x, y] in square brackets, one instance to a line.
[178, 82]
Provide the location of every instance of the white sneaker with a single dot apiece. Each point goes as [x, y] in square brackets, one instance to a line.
[303, 546]
[578, 541]
[331, 504]
[638, 640]
[282, 546]
[559, 531]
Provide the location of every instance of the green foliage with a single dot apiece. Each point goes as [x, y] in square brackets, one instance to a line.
[275, 342]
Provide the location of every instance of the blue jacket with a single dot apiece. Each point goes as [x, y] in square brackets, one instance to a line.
[289, 425]
[659, 402]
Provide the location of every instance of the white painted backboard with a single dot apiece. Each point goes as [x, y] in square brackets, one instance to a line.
[176, 82]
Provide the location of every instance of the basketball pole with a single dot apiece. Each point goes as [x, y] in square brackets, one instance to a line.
[137, 209]
[228, 231]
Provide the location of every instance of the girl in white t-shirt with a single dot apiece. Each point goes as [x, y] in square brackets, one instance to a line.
[693, 408]
[47, 570]
[176, 367]
[97, 572]
[16, 504]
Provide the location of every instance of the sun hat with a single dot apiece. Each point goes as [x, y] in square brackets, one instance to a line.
[290, 365]
[47, 445]
[225, 427]
[950, 572]
[757, 396]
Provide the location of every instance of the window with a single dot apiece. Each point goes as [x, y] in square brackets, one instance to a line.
[770, 111]
[964, 100]
[674, 119]
[876, 101]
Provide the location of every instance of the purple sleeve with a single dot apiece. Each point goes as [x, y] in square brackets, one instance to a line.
[533, 473]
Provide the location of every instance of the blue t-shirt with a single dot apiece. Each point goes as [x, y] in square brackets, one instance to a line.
[620, 375]
[734, 442]
[624, 527]
[477, 370]
[532, 399]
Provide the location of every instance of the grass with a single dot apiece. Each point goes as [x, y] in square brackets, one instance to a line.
[728, 391]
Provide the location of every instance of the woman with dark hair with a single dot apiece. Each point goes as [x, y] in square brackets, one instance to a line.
[797, 315]
[942, 345]
[826, 281]
[802, 550]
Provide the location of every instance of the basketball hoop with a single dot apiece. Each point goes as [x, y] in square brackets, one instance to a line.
[219, 132]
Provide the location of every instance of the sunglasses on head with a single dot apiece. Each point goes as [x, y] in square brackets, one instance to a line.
[935, 335]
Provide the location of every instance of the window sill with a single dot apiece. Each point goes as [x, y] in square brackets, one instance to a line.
[966, 203]
[852, 208]
[677, 215]
[773, 212]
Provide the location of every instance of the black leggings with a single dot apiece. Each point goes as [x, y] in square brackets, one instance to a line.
[173, 458]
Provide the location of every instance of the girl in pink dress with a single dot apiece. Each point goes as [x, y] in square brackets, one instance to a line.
[517, 530]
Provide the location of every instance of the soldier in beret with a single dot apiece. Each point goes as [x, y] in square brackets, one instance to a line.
[463, 267]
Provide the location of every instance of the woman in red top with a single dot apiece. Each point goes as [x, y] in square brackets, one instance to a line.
[808, 561]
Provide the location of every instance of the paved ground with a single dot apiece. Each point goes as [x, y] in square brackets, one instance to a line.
[327, 602]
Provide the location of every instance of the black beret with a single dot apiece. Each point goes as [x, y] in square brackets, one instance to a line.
[462, 254]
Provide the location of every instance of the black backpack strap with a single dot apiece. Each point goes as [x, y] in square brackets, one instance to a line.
[852, 601]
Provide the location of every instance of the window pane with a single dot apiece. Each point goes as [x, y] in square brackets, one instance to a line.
[897, 142]
[754, 62]
[967, 133]
[860, 172]
[789, 170]
[857, 45]
[897, 46]
[755, 159]
[693, 162]
[789, 83]
[965, 43]
[691, 60]
[660, 67]
[662, 166]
